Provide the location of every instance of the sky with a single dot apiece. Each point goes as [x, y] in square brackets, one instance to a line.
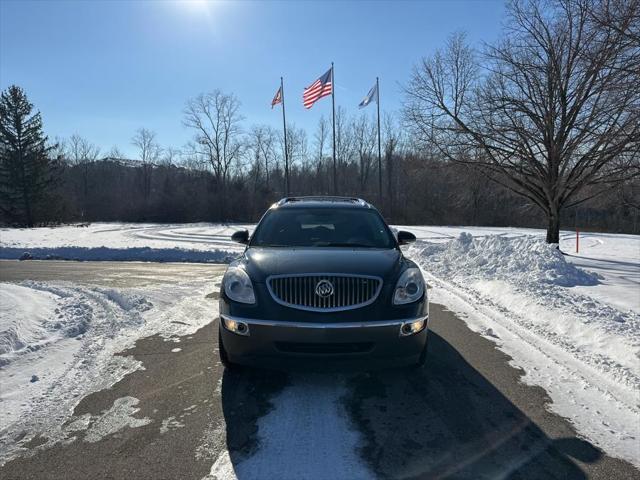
[103, 69]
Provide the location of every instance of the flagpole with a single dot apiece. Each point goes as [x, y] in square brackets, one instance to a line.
[286, 153]
[333, 108]
[379, 149]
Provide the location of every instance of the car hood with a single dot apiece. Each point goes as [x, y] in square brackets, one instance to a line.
[261, 263]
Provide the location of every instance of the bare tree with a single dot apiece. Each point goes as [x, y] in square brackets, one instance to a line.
[621, 16]
[320, 137]
[269, 154]
[170, 156]
[344, 143]
[216, 119]
[79, 150]
[391, 142]
[59, 149]
[546, 112]
[148, 149]
[296, 145]
[261, 145]
[115, 152]
[82, 153]
[254, 151]
[364, 133]
[149, 152]
[344, 137]
[629, 194]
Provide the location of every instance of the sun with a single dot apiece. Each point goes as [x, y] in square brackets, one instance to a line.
[195, 5]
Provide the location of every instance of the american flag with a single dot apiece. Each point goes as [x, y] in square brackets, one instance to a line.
[318, 89]
[277, 99]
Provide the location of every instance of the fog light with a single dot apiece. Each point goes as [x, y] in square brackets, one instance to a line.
[411, 328]
[236, 326]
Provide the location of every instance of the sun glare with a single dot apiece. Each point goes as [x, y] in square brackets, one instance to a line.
[197, 5]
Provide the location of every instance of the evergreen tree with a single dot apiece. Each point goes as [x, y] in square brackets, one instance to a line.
[27, 173]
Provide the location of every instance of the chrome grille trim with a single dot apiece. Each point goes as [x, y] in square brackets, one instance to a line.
[349, 291]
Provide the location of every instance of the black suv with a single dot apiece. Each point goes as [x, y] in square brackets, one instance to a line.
[323, 279]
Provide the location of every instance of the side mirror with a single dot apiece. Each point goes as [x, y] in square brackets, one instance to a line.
[405, 238]
[242, 236]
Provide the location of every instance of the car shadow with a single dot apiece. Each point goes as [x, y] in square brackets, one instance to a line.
[448, 421]
[445, 420]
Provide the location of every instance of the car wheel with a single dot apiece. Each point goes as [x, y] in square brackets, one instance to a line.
[224, 358]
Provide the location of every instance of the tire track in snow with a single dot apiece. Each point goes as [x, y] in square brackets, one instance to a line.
[69, 368]
[95, 323]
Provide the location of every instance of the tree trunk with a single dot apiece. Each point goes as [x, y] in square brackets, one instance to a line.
[389, 188]
[27, 209]
[28, 213]
[553, 226]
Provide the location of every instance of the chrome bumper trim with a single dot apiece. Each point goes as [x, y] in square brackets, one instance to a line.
[325, 325]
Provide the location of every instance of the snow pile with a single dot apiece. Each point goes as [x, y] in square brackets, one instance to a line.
[615, 258]
[34, 315]
[523, 260]
[538, 276]
[23, 316]
[523, 295]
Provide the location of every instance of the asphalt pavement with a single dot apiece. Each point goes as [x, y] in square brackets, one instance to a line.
[466, 414]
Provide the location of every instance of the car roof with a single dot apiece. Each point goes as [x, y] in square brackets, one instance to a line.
[322, 201]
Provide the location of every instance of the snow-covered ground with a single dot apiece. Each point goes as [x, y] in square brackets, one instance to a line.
[522, 294]
[58, 343]
[124, 242]
[572, 321]
[615, 257]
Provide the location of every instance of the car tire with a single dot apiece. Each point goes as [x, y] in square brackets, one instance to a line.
[224, 358]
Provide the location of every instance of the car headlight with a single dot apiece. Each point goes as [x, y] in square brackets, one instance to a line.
[410, 287]
[237, 286]
[412, 327]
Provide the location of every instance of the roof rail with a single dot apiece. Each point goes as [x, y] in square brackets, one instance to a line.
[323, 198]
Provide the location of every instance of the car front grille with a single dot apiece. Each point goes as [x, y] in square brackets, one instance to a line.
[324, 292]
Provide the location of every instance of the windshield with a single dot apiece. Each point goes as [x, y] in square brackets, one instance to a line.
[323, 227]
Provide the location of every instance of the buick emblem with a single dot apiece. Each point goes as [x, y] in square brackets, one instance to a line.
[324, 288]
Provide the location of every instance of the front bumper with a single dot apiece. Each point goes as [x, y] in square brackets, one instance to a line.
[360, 344]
